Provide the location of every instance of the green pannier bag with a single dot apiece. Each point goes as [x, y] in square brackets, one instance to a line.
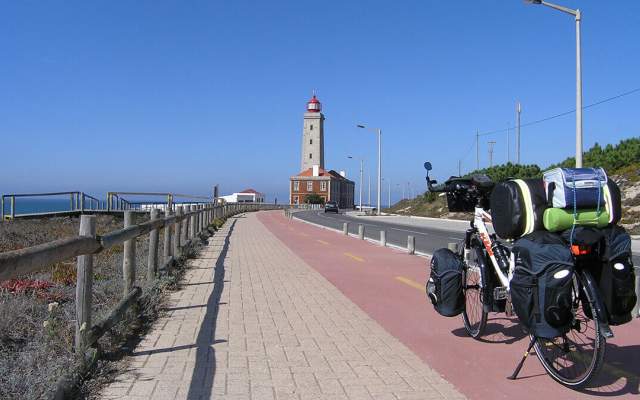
[559, 219]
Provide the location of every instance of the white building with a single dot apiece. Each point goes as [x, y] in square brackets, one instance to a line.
[245, 196]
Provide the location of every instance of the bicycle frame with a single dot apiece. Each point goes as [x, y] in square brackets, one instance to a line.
[479, 223]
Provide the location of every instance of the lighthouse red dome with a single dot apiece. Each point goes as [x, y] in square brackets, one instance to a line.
[314, 105]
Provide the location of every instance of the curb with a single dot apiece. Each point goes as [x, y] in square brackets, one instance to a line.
[370, 240]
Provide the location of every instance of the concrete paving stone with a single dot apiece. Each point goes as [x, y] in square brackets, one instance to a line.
[281, 331]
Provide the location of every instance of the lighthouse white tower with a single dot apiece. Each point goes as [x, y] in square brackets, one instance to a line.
[313, 135]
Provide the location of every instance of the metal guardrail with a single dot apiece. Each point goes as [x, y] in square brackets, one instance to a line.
[78, 201]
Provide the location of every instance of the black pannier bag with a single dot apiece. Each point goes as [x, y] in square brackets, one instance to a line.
[517, 207]
[617, 278]
[542, 284]
[444, 287]
[613, 201]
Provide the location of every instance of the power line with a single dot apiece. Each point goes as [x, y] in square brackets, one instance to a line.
[539, 121]
[566, 112]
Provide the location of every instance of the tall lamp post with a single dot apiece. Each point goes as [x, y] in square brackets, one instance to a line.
[379, 131]
[578, 16]
[361, 180]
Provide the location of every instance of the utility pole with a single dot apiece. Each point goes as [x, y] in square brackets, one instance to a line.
[518, 111]
[477, 150]
[508, 144]
[459, 167]
[369, 198]
[361, 181]
[491, 143]
[389, 194]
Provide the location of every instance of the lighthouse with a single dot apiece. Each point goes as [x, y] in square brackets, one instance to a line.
[313, 135]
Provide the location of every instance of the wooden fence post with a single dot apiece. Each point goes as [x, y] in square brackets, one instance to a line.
[166, 251]
[178, 236]
[152, 264]
[185, 227]
[192, 223]
[84, 286]
[129, 258]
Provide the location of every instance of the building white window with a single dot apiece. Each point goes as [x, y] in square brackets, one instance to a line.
[310, 155]
[323, 186]
[309, 186]
[310, 141]
[295, 200]
[296, 186]
[311, 127]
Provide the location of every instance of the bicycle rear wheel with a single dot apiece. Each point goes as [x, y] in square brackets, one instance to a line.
[576, 357]
[474, 316]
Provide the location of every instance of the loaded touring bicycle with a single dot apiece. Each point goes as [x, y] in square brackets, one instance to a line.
[565, 269]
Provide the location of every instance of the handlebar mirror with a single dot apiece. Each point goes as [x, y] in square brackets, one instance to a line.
[427, 166]
[433, 182]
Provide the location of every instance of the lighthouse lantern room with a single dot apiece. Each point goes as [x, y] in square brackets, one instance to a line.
[314, 105]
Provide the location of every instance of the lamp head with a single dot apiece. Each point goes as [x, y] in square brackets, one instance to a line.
[533, 1]
[360, 126]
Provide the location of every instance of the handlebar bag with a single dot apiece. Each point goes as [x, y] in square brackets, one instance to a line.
[444, 287]
[459, 196]
[583, 187]
[517, 207]
[617, 278]
[541, 287]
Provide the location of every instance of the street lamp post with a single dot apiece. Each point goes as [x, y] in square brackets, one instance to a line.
[578, 17]
[361, 172]
[379, 131]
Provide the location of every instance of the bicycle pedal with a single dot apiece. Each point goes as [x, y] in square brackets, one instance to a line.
[500, 293]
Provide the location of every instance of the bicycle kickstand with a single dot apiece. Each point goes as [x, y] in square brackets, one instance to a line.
[524, 358]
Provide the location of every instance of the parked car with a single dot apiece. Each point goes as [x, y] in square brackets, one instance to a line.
[331, 206]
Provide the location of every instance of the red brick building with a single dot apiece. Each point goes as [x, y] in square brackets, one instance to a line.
[330, 185]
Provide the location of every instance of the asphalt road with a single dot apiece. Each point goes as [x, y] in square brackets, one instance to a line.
[428, 239]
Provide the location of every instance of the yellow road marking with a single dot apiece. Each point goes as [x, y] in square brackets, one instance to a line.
[410, 282]
[322, 241]
[354, 257]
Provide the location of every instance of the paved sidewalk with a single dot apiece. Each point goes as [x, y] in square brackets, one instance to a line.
[254, 321]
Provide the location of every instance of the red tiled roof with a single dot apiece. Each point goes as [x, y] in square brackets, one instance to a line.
[250, 191]
[322, 172]
[309, 172]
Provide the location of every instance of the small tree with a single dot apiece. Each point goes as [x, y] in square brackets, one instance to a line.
[430, 197]
[314, 199]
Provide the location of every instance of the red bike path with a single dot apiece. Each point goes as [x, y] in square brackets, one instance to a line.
[389, 286]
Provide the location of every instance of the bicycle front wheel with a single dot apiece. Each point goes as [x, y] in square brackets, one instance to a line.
[576, 357]
[474, 316]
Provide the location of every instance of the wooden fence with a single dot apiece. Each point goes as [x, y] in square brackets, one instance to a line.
[180, 229]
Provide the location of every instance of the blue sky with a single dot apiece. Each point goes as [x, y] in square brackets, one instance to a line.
[178, 96]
